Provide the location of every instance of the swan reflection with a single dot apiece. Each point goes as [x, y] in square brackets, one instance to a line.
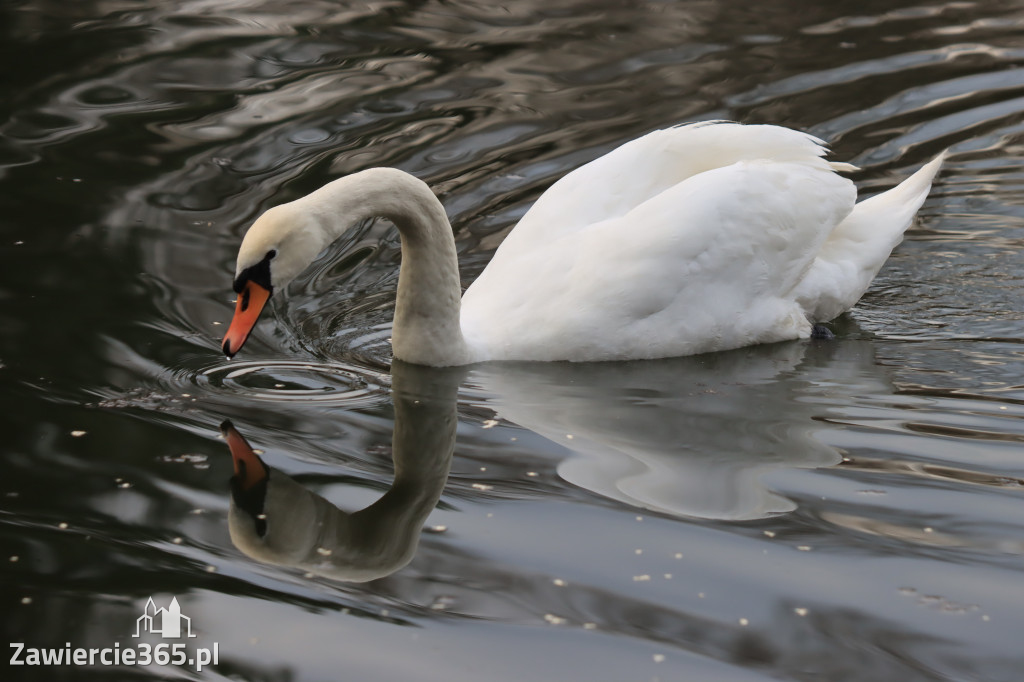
[276, 520]
[694, 436]
[697, 436]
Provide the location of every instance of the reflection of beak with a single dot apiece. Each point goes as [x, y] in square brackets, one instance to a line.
[249, 468]
[247, 311]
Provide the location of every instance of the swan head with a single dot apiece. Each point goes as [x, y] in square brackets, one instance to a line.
[277, 247]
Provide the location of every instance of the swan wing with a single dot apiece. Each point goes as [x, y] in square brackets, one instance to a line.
[708, 263]
[614, 184]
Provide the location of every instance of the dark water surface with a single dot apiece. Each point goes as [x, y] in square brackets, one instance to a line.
[846, 511]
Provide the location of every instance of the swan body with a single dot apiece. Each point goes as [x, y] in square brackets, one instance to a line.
[697, 238]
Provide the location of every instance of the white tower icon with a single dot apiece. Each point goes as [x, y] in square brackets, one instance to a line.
[171, 625]
[164, 622]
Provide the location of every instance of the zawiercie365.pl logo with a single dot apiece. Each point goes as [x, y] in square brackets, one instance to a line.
[169, 623]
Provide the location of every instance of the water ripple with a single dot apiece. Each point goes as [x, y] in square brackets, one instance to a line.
[297, 381]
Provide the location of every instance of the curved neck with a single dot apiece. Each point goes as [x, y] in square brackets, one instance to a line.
[427, 327]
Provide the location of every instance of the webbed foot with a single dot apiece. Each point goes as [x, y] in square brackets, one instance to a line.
[820, 331]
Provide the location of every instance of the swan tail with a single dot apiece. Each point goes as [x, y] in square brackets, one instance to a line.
[858, 247]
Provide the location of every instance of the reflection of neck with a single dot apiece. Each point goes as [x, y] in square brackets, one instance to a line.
[306, 531]
[422, 445]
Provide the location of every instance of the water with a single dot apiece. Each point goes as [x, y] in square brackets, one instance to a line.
[845, 511]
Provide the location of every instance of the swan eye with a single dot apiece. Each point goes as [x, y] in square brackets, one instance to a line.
[259, 273]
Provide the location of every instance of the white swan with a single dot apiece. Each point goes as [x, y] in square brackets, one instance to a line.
[696, 238]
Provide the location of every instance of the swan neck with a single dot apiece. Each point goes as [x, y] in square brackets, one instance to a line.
[427, 328]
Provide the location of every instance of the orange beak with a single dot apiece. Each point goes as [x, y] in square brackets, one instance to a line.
[247, 311]
[249, 468]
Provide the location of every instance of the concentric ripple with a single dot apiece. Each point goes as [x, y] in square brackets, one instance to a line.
[296, 381]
